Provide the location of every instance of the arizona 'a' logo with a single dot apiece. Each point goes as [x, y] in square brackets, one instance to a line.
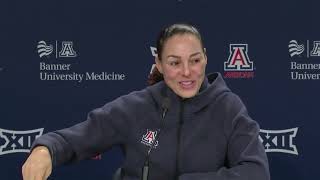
[316, 49]
[238, 59]
[18, 141]
[149, 137]
[279, 140]
[67, 50]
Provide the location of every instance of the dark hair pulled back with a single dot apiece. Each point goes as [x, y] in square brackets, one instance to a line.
[174, 29]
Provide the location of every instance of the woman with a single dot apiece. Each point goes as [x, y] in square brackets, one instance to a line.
[206, 132]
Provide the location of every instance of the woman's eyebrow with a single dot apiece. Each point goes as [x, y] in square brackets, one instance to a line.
[195, 54]
[178, 57]
[173, 56]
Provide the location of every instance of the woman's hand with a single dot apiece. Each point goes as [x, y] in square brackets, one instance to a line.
[38, 166]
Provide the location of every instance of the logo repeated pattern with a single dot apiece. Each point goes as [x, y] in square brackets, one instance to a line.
[63, 70]
[238, 64]
[67, 49]
[304, 56]
[18, 141]
[279, 140]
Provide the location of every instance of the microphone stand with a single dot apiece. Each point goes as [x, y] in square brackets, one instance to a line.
[145, 169]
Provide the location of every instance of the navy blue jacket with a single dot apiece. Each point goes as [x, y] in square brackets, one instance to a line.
[207, 137]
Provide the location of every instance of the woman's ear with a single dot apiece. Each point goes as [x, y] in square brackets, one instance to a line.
[158, 64]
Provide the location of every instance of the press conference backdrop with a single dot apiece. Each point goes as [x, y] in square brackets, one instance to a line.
[61, 59]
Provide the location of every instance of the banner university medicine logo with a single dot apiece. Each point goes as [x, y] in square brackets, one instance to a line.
[305, 49]
[279, 140]
[18, 141]
[44, 49]
[295, 48]
[238, 64]
[304, 56]
[66, 49]
[149, 137]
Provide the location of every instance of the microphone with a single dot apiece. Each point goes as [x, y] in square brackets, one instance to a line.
[145, 170]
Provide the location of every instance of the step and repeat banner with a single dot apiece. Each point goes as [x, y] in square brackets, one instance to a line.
[61, 59]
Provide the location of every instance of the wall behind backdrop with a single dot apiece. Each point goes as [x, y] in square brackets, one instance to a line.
[61, 59]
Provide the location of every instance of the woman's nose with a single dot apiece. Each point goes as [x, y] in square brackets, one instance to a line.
[186, 69]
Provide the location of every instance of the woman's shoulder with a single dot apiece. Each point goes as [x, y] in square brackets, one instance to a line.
[137, 99]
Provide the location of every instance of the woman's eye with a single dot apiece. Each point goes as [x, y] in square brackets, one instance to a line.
[194, 61]
[173, 63]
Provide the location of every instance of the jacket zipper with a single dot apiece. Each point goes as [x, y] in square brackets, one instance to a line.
[177, 173]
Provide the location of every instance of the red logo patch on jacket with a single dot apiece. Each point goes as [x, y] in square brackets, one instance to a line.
[149, 137]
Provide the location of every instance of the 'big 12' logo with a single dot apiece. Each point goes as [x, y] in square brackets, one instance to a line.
[18, 141]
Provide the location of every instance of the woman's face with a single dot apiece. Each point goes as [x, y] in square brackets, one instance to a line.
[183, 64]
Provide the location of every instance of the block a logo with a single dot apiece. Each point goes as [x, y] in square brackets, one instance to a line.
[67, 50]
[316, 49]
[295, 49]
[44, 49]
[238, 59]
[279, 140]
[238, 64]
[149, 137]
[18, 141]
